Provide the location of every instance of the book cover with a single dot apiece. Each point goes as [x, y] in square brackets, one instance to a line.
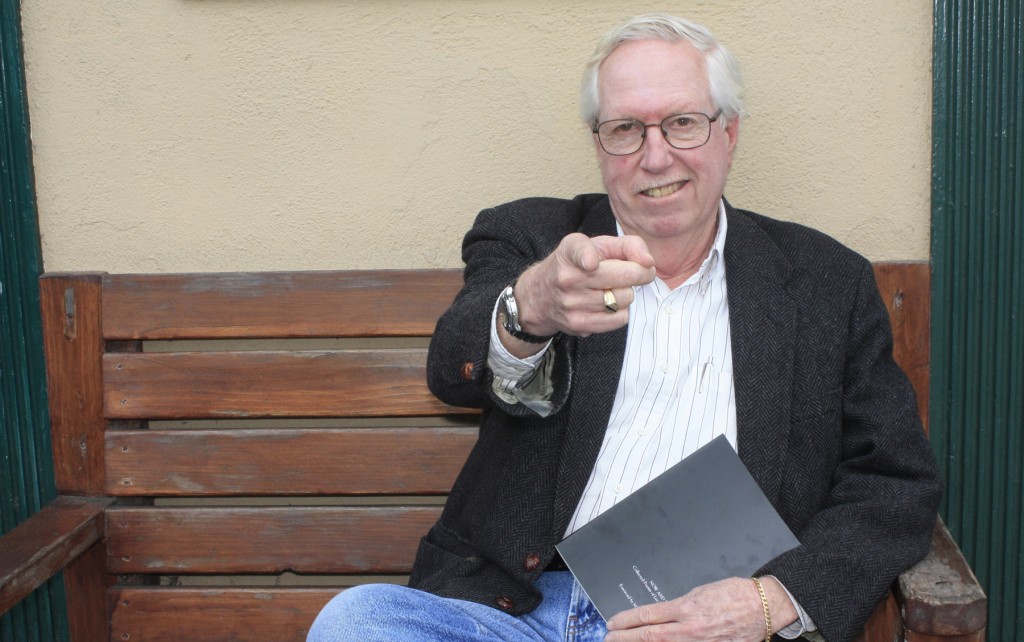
[702, 520]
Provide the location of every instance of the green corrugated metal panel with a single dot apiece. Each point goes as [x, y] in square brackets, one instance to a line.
[26, 468]
[977, 399]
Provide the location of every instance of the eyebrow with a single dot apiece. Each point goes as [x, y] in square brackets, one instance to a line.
[669, 114]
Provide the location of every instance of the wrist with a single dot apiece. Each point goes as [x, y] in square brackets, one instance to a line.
[517, 342]
[517, 347]
[514, 315]
[769, 629]
[780, 606]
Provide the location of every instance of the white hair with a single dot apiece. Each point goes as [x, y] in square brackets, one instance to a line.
[724, 79]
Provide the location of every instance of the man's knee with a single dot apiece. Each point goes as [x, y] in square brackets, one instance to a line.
[359, 613]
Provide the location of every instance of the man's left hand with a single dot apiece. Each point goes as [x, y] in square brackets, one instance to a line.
[726, 611]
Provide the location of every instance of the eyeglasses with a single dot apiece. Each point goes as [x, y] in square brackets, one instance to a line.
[625, 136]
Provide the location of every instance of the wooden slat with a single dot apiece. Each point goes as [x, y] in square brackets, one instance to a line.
[274, 539]
[403, 461]
[906, 290]
[71, 336]
[38, 548]
[161, 614]
[940, 595]
[342, 383]
[277, 304]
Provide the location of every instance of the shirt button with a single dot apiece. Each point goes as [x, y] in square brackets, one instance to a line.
[531, 562]
[667, 309]
[618, 488]
[666, 368]
[641, 431]
[467, 371]
[505, 603]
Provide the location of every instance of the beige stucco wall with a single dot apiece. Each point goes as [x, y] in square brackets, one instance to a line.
[174, 135]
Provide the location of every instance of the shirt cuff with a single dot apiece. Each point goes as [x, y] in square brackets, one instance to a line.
[526, 381]
[803, 625]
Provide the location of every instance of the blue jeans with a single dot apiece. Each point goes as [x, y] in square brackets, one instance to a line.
[393, 613]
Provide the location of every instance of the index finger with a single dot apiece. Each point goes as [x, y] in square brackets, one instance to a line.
[579, 250]
[624, 248]
[614, 273]
[640, 616]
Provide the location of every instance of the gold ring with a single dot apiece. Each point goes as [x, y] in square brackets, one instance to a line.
[610, 304]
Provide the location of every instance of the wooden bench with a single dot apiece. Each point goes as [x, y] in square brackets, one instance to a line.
[233, 449]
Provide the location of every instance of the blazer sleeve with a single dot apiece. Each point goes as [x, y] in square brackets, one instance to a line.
[878, 516]
[502, 243]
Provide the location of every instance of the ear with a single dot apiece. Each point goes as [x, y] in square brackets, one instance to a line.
[732, 131]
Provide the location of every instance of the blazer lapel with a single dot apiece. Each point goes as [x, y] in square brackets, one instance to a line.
[762, 316]
[595, 364]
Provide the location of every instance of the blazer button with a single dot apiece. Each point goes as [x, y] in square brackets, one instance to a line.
[531, 562]
[505, 603]
[467, 371]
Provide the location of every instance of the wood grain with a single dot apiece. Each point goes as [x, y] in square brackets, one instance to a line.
[362, 303]
[268, 539]
[416, 461]
[308, 383]
[86, 582]
[884, 624]
[158, 614]
[906, 291]
[38, 548]
[71, 337]
[940, 596]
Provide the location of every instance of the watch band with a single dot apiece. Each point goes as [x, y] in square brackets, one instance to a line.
[508, 316]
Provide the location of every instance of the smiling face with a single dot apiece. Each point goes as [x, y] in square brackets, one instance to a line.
[660, 193]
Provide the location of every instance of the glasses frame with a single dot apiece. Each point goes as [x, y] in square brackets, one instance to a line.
[659, 125]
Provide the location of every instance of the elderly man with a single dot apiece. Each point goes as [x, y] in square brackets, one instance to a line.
[607, 337]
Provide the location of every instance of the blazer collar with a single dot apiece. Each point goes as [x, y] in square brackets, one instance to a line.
[599, 221]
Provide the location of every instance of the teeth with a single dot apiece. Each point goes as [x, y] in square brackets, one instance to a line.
[659, 192]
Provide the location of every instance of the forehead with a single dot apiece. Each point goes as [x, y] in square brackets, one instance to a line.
[648, 78]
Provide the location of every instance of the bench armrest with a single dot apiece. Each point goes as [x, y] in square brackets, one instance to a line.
[38, 548]
[939, 596]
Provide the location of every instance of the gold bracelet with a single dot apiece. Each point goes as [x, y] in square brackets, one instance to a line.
[767, 615]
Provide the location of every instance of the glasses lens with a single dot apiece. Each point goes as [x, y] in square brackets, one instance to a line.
[685, 131]
[620, 137]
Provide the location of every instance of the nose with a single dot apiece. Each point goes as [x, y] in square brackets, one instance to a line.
[656, 153]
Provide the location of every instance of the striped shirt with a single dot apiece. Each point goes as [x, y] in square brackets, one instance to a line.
[675, 391]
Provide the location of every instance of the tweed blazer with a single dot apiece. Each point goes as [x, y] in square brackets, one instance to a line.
[827, 422]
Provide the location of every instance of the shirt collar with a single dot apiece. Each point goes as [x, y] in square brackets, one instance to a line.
[713, 264]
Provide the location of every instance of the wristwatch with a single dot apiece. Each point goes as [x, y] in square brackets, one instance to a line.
[508, 317]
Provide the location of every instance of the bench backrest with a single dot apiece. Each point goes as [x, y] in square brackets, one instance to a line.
[268, 438]
[250, 424]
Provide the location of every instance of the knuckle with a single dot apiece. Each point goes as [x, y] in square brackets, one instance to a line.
[651, 634]
[645, 616]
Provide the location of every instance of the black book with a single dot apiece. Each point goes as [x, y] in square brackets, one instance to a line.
[702, 520]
